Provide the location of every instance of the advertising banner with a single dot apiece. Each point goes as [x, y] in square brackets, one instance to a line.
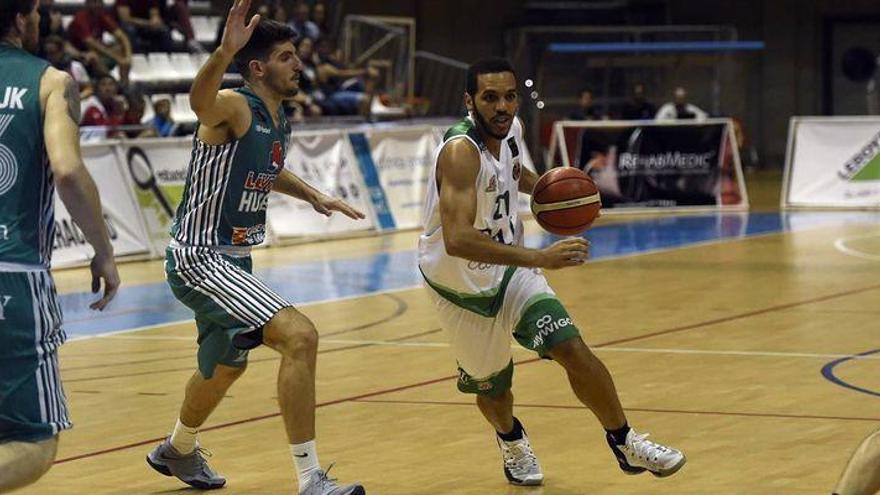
[650, 165]
[120, 213]
[326, 161]
[403, 162]
[833, 162]
[156, 173]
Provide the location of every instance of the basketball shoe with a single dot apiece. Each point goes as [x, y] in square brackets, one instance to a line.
[520, 463]
[638, 454]
[191, 468]
[320, 484]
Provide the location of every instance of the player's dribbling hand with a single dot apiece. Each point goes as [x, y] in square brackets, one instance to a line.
[567, 252]
[104, 267]
[236, 33]
[326, 205]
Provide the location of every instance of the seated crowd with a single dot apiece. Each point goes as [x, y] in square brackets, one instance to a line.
[97, 45]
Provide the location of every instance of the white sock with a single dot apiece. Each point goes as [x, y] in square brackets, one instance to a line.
[183, 438]
[305, 457]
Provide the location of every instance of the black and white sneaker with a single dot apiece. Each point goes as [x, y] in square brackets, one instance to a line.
[521, 466]
[638, 454]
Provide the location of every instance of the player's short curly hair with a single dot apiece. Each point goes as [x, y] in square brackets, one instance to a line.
[266, 35]
[490, 65]
[11, 8]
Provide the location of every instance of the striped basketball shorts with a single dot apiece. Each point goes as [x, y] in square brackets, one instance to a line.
[32, 402]
[228, 301]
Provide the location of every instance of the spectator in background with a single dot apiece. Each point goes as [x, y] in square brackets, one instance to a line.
[587, 109]
[301, 24]
[162, 122]
[347, 91]
[53, 48]
[319, 17]
[142, 22]
[50, 20]
[85, 34]
[177, 15]
[680, 109]
[637, 107]
[102, 110]
[310, 97]
[135, 107]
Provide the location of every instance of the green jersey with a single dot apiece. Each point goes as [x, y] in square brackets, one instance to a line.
[227, 185]
[27, 191]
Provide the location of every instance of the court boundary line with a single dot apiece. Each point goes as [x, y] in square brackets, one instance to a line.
[449, 377]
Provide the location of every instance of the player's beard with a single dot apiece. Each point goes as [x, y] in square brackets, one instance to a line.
[278, 84]
[485, 126]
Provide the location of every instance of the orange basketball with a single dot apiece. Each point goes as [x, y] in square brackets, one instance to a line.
[565, 201]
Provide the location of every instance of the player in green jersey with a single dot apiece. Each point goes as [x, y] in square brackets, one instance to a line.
[39, 150]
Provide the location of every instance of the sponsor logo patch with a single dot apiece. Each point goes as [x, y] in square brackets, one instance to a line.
[277, 157]
[546, 325]
[493, 184]
[245, 236]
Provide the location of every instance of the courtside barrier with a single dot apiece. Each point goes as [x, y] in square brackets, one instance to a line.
[121, 213]
[648, 165]
[381, 170]
[832, 162]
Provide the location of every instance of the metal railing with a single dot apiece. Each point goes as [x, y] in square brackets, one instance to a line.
[441, 80]
[385, 43]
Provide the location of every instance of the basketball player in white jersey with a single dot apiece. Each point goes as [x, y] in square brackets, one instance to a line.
[486, 286]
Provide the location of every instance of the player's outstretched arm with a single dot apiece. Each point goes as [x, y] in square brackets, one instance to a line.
[457, 168]
[288, 183]
[213, 107]
[75, 186]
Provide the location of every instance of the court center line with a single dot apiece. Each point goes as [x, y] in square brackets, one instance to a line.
[629, 409]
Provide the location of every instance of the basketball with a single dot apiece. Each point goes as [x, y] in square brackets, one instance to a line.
[565, 201]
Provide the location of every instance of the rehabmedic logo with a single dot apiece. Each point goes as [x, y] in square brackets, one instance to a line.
[865, 165]
[673, 162]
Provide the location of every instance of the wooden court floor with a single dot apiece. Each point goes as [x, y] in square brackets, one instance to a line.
[717, 349]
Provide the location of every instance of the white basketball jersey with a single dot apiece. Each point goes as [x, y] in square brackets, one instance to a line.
[497, 187]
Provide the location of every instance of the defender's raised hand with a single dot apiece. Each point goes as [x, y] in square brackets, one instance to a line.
[236, 33]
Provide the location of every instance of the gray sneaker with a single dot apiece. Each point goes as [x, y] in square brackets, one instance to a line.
[321, 484]
[191, 468]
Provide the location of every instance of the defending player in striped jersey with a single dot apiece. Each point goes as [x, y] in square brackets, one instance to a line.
[237, 159]
[486, 286]
[39, 148]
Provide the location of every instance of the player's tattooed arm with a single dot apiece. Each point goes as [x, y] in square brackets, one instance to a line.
[71, 97]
